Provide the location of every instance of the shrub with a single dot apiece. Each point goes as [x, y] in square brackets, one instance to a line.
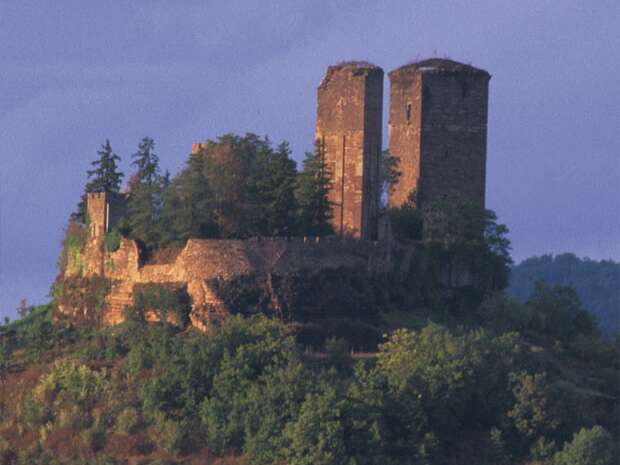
[84, 296]
[168, 300]
[94, 437]
[337, 352]
[77, 383]
[128, 421]
[73, 417]
[317, 437]
[72, 244]
[7, 454]
[589, 447]
[170, 434]
[112, 241]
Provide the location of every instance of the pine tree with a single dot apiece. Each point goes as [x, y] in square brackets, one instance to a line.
[146, 162]
[274, 201]
[105, 178]
[315, 209]
[146, 196]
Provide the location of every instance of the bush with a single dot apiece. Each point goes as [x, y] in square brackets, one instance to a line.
[128, 421]
[589, 447]
[94, 437]
[170, 434]
[72, 244]
[337, 352]
[168, 300]
[317, 437]
[7, 454]
[112, 241]
[73, 417]
[76, 383]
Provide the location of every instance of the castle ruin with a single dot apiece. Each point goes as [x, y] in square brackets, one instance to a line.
[437, 128]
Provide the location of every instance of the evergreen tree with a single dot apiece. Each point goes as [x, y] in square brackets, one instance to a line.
[315, 209]
[104, 177]
[187, 210]
[274, 193]
[146, 196]
[146, 162]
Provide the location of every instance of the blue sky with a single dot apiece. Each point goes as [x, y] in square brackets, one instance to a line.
[74, 73]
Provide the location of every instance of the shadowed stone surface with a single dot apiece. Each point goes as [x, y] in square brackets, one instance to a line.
[438, 129]
[348, 127]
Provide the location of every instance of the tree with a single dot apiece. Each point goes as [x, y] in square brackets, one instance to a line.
[317, 437]
[104, 177]
[188, 205]
[389, 173]
[273, 193]
[557, 311]
[467, 235]
[406, 220]
[146, 162]
[146, 193]
[315, 209]
[589, 447]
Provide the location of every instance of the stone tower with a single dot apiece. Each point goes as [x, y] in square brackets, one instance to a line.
[438, 128]
[103, 210]
[98, 211]
[348, 127]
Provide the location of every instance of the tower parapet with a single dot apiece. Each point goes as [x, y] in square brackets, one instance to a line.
[438, 129]
[348, 129]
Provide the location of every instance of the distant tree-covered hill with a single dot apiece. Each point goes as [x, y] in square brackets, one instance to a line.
[597, 283]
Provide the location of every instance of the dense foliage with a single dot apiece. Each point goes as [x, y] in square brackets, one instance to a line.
[510, 386]
[597, 283]
[234, 187]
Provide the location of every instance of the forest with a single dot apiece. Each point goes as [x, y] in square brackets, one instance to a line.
[597, 283]
[458, 374]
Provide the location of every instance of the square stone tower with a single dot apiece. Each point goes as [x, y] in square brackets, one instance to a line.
[98, 211]
[348, 127]
[438, 128]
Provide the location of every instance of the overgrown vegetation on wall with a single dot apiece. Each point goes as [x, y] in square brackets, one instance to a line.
[72, 247]
[169, 301]
[80, 299]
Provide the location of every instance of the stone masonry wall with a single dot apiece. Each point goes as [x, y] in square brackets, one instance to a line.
[350, 100]
[202, 260]
[438, 127]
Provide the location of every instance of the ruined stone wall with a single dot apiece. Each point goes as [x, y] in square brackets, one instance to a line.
[438, 127]
[350, 100]
[203, 260]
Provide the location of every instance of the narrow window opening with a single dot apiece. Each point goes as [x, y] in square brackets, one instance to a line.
[408, 111]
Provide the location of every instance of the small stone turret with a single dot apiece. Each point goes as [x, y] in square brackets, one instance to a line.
[98, 211]
[98, 217]
[348, 129]
[438, 129]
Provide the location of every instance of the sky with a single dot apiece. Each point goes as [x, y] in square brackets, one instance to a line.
[74, 73]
